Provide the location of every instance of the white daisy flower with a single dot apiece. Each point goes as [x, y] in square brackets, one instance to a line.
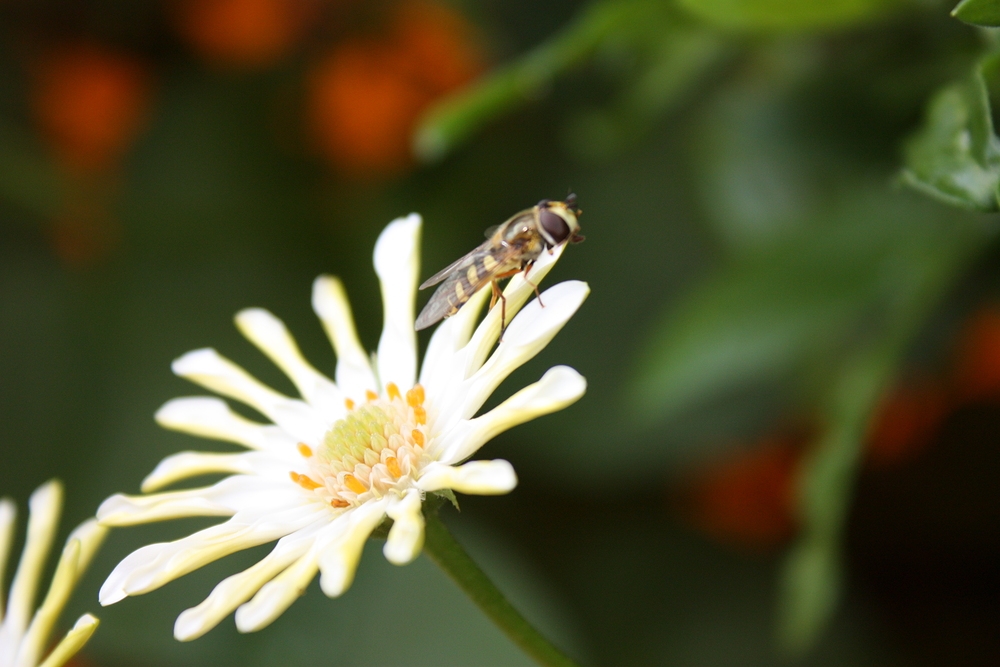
[23, 637]
[351, 451]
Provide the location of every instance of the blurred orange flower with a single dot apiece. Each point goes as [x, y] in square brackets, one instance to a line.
[748, 498]
[243, 33]
[89, 103]
[365, 96]
[906, 421]
[977, 367]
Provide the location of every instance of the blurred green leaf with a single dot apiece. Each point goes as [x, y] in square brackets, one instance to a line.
[978, 12]
[786, 14]
[768, 311]
[673, 64]
[955, 157]
[453, 120]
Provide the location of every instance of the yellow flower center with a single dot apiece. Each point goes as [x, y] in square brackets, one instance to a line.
[370, 451]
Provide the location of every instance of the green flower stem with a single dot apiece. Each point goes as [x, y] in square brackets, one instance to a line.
[444, 550]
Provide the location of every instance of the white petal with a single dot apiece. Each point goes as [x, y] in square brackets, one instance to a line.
[208, 417]
[338, 561]
[76, 556]
[406, 537]
[517, 292]
[191, 464]
[154, 565]
[444, 362]
[397, 263]
[483, 478]
[224, 498]
[526, 336]
[277, 595]
[233, 591]
[354, 373]
[44, 507]
[271, 336]
[559, 387]
[72, 642]
[8, 513]
[213, 371]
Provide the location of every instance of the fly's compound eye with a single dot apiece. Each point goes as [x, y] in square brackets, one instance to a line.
[555, 227]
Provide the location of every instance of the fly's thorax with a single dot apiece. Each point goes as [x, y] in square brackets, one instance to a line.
[377, 447]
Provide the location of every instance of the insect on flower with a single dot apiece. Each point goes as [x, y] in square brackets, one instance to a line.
[511, 248]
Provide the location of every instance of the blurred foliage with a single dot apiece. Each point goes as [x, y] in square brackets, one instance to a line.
[978, 12]
[790, 206]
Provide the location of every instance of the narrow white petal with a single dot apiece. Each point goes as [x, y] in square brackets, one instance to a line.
[406, 537]
[338, 560]
[154, 565]
[191, 464]
[277, 595]
[271, 336]
[44, 507]
[483, 478]
[121, 510]
[213, 371]
[8, 513]
[526, 336]
[517, 292]
[559, 387]
[443, 369]
[224, 498]
[209, 417]
[397, 263]
[76, 556]
[72, 642]
[237, 589]
[354, 373]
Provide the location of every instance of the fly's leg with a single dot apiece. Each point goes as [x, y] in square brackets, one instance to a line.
[527, 267]
[498, 294]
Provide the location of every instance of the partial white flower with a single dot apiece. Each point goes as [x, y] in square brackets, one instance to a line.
[23, 637]
[365, 445]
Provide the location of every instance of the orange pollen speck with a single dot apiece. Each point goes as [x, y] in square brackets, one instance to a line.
[420, 415]
[370, 395]
[349, 404]
[415, 396]
[353, 484]
[418, 436]
[393, 466]
[393, 391]
[305, 450]
[337, 502]
[304, 481]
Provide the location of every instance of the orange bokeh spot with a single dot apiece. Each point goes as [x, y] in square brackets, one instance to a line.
[366, 95]
[977, 367]
[243, 33]
[906, 421]
[747, 499]
[89, 103]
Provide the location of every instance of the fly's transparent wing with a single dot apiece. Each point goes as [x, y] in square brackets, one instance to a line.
[457, 265]
[468, 277]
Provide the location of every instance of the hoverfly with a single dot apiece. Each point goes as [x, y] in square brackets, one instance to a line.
[512, 248]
